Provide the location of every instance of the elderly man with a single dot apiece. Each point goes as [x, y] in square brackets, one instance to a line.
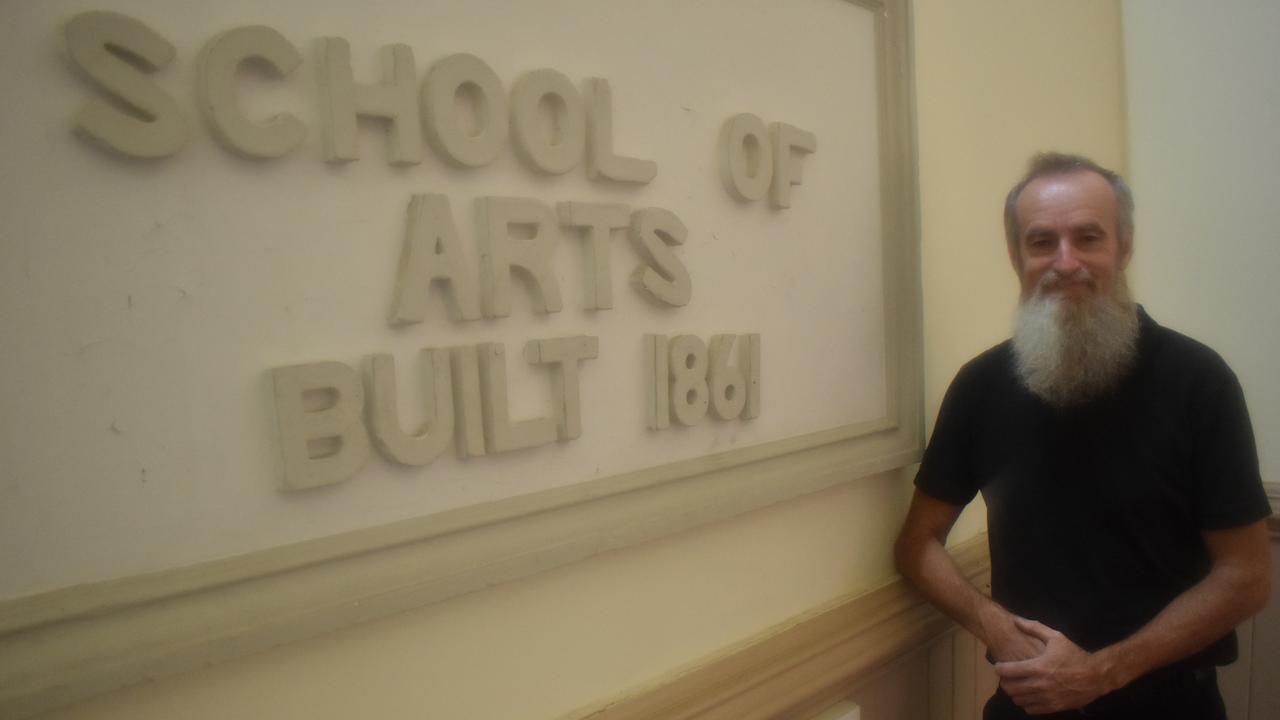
[1124, 505]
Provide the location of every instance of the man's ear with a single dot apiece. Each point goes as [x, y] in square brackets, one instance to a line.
[1015, 258]
[1126, 252]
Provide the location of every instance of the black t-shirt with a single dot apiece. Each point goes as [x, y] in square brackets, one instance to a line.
[1095, 512]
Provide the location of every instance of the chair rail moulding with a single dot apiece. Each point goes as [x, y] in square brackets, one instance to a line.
[96, 634]
[803, 665]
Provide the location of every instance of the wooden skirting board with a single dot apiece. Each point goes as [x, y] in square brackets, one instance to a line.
[798, 669]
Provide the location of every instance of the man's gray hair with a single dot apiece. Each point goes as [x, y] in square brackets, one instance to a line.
[1054, 163]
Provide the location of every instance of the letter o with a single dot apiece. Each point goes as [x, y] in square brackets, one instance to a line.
[737, 137]
[445, 129]
[555, 152]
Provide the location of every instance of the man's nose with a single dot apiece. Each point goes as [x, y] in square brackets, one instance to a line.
[1065, 260]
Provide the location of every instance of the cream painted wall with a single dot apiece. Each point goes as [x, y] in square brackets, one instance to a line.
[1204, 108]
[997, 80]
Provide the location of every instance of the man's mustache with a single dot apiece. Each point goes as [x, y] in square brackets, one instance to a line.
[1054, 280]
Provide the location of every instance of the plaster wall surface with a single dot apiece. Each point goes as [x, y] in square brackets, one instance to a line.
[996, 81]
[1205, 162]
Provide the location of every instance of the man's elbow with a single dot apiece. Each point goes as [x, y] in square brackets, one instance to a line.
[1242, 563]
[1260, 593]
[900, 554]
[1251, 589]
[1261, 587]
[907, 552]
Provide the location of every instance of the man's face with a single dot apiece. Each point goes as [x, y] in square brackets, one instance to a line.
[1068, 237]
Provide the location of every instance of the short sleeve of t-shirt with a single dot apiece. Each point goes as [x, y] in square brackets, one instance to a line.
[946, 471]
[1226, 478]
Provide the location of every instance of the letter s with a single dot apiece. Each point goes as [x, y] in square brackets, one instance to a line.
[111, 49]
[662, 276]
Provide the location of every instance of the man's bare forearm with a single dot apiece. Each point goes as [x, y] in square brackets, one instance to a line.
[924, 561]
[927, 565]
[1235, 589]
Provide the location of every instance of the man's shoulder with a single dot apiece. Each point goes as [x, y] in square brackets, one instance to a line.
[995, 364]
[1182, 353]
[990, 374]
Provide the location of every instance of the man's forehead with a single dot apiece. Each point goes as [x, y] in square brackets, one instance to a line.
[1079, 193]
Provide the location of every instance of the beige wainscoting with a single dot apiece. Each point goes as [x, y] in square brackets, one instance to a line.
[879, 648]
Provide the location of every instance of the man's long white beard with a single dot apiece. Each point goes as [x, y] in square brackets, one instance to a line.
[1069, 353]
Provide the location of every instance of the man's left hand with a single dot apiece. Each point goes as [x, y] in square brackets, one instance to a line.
[1063, 677]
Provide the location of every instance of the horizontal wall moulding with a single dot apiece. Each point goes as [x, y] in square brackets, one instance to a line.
[803, 665]
[73, 643]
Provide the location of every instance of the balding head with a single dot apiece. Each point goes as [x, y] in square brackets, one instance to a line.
[1054, 163]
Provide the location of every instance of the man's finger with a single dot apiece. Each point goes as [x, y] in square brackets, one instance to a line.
[1025, 695]
[1016, 668]
[1019, 686]
[1027, 702]
[1035, 629]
